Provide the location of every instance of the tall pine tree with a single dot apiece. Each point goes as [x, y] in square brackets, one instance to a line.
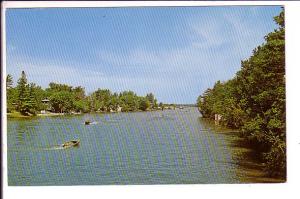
[24, 100]
[10, 94]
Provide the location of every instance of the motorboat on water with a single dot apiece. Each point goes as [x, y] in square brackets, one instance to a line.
[72, 143]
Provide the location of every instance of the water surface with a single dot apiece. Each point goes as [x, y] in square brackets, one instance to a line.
[161, 147]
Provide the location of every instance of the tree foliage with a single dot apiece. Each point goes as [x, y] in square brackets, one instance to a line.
[62, 101]
[28, 98]
[12, 94]
[254, 100]
[144, 104]
[9, 81]
[24, 103]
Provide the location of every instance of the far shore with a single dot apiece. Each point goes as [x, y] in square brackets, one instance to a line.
[19, 115]
[50, 114]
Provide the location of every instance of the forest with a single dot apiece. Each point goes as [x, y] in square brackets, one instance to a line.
[30, 99]
[254, 100]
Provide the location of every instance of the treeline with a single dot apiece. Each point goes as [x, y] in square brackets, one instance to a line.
[30, 99]
[254, 100]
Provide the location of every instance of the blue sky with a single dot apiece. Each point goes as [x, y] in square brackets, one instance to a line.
[174, 52]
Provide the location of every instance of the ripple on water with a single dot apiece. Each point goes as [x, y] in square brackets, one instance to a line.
[165, 147]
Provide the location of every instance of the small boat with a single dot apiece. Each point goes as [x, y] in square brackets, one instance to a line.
[72, 143]
[87, 122]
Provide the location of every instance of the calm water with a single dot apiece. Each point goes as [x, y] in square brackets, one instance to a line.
[163, 147]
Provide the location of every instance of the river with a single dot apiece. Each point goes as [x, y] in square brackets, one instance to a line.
[159, 147]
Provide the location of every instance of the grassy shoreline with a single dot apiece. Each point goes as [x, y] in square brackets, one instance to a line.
[19, 115]
[16, 114]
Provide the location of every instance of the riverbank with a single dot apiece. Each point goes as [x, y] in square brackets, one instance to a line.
[251, 169]
[18, 115]
[50, 114]
[250, 166]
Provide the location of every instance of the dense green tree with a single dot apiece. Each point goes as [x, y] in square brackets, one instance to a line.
[11, 94]
[114, 102]
[129, 101]
[254, 100]
[34, 100]
[150, 98]
[153, 102]
[62, 101]
[25, 104]
[79, 93]
[22, 83]
[144, 104]
[38, 94]
[9, 81]
[81, 106]
[12, 99]
[66, 99]
[103, 97]
[155, 105]
[54, 87]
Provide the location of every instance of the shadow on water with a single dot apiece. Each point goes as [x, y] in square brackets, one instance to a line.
[127, 148]
[249, 162]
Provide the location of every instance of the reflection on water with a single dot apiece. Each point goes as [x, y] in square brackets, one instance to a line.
[162, 147]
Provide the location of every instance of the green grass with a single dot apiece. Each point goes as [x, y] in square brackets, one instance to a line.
[16, 114]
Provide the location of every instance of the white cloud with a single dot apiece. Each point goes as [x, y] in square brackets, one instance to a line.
[213, 51]
[43, 72]
[208, 32]
[135, 57]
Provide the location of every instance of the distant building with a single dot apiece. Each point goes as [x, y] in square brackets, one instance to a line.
[45, 101]
[47, 106]
[119, 109]
[218, 118]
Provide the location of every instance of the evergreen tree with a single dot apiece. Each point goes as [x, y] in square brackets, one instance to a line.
[24, 99]
[33, 98]
[10, 94]
[9, 82]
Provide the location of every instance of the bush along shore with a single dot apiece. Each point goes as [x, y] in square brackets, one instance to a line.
[254, 101]
[28, 99]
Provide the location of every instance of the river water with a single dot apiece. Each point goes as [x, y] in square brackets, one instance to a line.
[159, 147]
